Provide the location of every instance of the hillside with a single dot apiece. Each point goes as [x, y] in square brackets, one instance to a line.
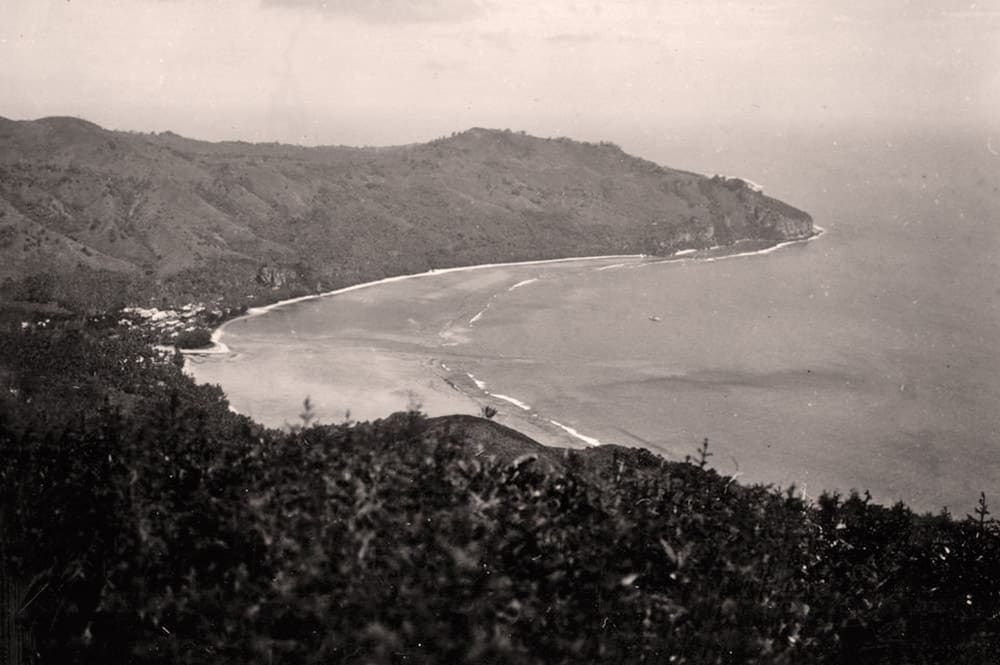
[145, 522]
[181, 218]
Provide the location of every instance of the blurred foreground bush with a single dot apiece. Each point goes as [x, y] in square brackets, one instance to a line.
[142, 521]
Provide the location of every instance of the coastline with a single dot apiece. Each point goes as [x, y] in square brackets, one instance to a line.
[526, 418]
[695, 255]
[220, 348]
[523, 417]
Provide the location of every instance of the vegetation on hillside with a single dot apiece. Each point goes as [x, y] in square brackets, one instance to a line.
[142, 521]
[105, 218]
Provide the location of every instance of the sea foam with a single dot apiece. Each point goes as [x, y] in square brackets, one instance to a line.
[583, 437]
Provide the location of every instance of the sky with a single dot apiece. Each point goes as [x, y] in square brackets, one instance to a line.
[384, 72]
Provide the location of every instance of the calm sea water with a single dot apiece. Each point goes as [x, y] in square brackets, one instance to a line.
[864, 359]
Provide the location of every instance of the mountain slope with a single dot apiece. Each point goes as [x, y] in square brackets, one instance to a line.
[74, 196]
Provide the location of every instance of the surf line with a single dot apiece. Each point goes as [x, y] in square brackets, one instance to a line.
[679, 256]
[760, 252]
[218, 347]
[583, 437]
[513, 400]
[482, 386]
[489, 303]
[589, 440]
[523, 282]
[479, 314]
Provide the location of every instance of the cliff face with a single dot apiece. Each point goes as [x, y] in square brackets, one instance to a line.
[77, 197]
[277, 277]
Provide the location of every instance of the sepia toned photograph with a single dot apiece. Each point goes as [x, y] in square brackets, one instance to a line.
[496, 332]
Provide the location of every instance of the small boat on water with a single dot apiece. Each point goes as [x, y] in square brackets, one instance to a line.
[655, 319]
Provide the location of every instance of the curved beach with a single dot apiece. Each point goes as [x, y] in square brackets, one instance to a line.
[218, 347]
[404, 362]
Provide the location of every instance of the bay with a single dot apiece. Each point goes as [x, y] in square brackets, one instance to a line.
[863, 359]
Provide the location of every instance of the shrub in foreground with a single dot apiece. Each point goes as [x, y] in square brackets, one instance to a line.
[146, 523]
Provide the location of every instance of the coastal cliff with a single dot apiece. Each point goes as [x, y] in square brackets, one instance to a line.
[161, 215]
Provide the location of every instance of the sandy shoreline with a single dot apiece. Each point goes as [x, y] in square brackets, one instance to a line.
[218, 347]
[470, 390]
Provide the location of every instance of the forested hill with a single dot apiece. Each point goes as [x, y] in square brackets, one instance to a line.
[172, 215]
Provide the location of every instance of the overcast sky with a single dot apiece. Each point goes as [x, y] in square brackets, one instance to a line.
[398, 71]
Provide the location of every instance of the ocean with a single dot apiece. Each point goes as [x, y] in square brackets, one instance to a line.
[862, 359]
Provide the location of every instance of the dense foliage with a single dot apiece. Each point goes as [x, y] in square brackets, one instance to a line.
[142, 521]
[198, 338]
